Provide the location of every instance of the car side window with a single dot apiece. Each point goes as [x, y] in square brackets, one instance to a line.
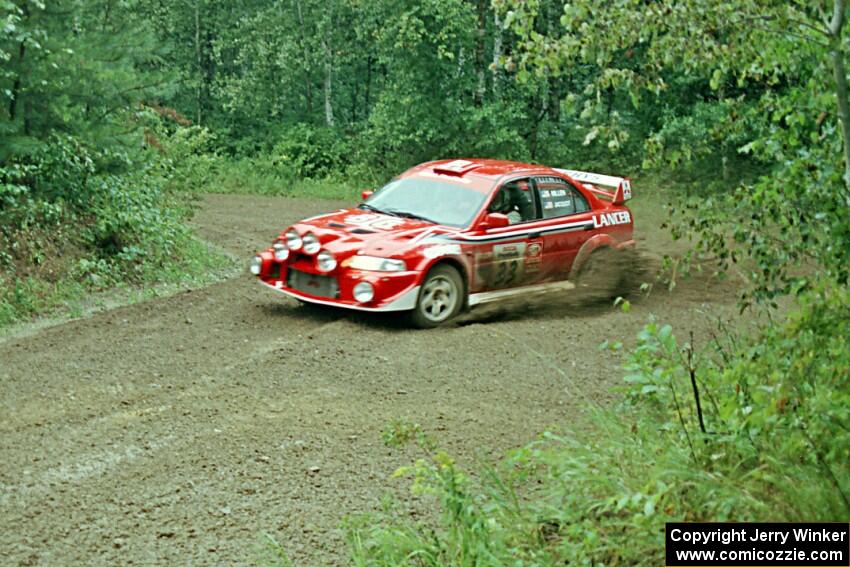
[558, 198]
[582, 205]
[516, 200]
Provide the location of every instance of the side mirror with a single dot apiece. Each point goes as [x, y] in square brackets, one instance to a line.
[366, 193]
[495, 220]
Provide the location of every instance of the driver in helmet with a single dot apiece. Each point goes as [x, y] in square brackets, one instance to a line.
[514, 200]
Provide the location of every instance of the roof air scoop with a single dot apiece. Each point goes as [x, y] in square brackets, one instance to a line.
[457, 167]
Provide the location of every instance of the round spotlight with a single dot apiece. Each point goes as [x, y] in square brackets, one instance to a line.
[281, 252]
[256, 266]
[311, 243]
[364, 292]
[325, 261]
[293, 240]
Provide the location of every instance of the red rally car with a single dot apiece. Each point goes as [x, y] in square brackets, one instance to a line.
[448, 235]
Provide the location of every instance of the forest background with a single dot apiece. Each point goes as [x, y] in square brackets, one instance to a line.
[116, 114]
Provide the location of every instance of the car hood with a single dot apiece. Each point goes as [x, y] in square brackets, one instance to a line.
[349, 231]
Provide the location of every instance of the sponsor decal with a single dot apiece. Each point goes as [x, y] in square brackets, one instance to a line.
[507, 266]
[627, 189]
[533, 258]
[441, 250]
[502, 266]
[372, 220]
[610, 219]
[503, 251]
[549, 180]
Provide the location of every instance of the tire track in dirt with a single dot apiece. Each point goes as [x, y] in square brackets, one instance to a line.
[177, 431]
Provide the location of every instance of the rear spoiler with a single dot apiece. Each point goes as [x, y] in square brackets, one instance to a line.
[593, 181]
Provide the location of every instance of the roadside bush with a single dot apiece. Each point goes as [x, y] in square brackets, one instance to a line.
[768, 440]
[72, 218]
[189, 160]
[307, 152]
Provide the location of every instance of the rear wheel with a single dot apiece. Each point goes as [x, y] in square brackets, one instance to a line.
[601, 276]
[440, 297]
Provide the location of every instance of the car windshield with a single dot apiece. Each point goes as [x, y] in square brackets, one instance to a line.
[439, 202]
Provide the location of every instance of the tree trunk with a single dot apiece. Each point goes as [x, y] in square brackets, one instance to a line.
[355, 94]
[329, 109]
[199, 89]
[368, 85]
[497, 52]
[840, 73]
[16, 87]
[481, 34]
[308, 80]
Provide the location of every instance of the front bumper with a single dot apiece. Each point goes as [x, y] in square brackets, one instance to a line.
[393, 291]
[403, 302]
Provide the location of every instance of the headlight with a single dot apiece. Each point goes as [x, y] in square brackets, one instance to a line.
[281, 252]
[375, 264]
[364, 292]
[325, 261]
[311, 243]
[293, 240]
[256, 266]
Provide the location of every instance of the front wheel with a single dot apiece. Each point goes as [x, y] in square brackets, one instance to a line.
[440, 298]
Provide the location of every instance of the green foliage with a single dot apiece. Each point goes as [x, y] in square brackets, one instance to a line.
[775, 409]
[305, 152]
[714, 90]
[72, 221]
[72, 67]
[768, 441]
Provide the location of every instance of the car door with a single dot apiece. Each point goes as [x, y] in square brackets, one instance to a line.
[566, 224]
[510, 256]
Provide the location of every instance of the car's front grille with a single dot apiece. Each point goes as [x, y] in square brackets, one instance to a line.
[321, 286]
[274, 271]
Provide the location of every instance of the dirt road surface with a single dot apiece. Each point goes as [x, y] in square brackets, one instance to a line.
[177, 431]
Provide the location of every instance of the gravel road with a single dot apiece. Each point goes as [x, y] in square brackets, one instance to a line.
[177, 431]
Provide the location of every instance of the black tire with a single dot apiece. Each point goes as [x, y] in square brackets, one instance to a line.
[601, 276]
[441, 298]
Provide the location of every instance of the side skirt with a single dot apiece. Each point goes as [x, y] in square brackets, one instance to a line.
[490, 296]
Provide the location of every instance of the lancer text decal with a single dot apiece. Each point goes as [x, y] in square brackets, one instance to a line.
[609, 219]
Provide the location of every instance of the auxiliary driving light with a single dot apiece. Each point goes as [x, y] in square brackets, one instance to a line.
[293, 240]
[311, 243]
[256, 266]
[325, 261]
[281, 252]
[364, 292]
